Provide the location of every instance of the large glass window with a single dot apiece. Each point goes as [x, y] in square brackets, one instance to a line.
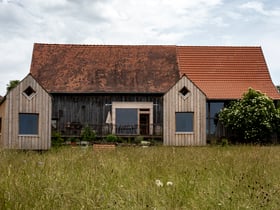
[213, 108]
[126, 120]
[184, 121]
[28, 124]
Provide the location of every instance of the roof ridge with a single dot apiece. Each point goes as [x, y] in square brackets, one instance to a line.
[106, 45]
[217, 46]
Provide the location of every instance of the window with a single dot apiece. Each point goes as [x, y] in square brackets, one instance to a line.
[28, 124]
[130, 118]
[54, 124]
[126, 120]
[29, 92]
[184, 121]
[184, 92]
[213, 108]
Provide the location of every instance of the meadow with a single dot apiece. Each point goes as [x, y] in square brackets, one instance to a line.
[212, 177]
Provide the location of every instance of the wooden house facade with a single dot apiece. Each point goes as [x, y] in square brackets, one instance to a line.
[184, 115]
[120, 114]
[25, 114]
[169, 92]
[112, 89]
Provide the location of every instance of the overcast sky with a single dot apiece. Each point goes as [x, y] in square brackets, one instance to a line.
[180, 22]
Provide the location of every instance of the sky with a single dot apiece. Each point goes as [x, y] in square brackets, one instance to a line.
[135, 22]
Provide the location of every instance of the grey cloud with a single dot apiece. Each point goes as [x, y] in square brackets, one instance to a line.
[201, 22]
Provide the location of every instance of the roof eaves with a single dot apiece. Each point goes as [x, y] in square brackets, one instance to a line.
[88, 93]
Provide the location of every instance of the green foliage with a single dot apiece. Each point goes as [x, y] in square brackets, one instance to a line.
[111, 138]
[12, 84]
[240, 177]
[277, 121]
[224, 142]
[88, 134]
[57, 140]
[252, 118]
[73, 139]
[138, 139]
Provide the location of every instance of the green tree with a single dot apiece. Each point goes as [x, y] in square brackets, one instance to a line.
[12, 84]
[278, 88]
[253, 118]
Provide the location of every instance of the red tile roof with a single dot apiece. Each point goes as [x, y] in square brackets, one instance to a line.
[226, 72]
[220, 72]
[96, 68]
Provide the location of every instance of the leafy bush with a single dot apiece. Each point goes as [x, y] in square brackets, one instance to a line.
[111, 138]
[88, 134]
[73, 139]
[138, 139]
[252, 118]
[57, 140]
[224, 142]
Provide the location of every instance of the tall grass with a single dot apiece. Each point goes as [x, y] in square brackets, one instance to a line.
[200, 178]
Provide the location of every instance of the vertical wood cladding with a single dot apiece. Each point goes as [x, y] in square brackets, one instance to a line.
[16, 102]
[192, 100]
[92, 109]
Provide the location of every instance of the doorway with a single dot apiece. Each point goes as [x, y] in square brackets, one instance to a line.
[144, 124]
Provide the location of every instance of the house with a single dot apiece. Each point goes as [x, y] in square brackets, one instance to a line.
[25, 117]
[168, 92]
[126, 89]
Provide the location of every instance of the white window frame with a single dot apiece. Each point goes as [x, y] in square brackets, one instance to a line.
[133, 105]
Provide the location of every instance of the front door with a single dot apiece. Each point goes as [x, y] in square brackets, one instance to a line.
[144, 124]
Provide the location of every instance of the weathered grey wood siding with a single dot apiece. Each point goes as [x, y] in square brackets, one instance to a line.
[17, 102]
[92, 109]
[2, 116]
[195, 101]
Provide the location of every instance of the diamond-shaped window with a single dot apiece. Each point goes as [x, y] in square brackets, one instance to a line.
[184, 91]
[29, 91]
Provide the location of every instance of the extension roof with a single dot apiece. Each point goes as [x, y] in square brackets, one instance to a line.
[226, 72]
[220, 72]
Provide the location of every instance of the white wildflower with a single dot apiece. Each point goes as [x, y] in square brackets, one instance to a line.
[40, 163]
[159, 183]
[169, 183]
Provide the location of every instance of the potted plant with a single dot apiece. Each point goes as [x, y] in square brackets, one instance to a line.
[73, 141]
[111, 138]
[88, 135]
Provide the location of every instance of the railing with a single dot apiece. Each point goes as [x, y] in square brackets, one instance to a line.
[75, 129]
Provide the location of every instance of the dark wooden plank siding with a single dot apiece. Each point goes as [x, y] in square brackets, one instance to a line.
[92, 109]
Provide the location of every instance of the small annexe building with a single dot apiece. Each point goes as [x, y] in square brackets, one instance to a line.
[25, 117]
